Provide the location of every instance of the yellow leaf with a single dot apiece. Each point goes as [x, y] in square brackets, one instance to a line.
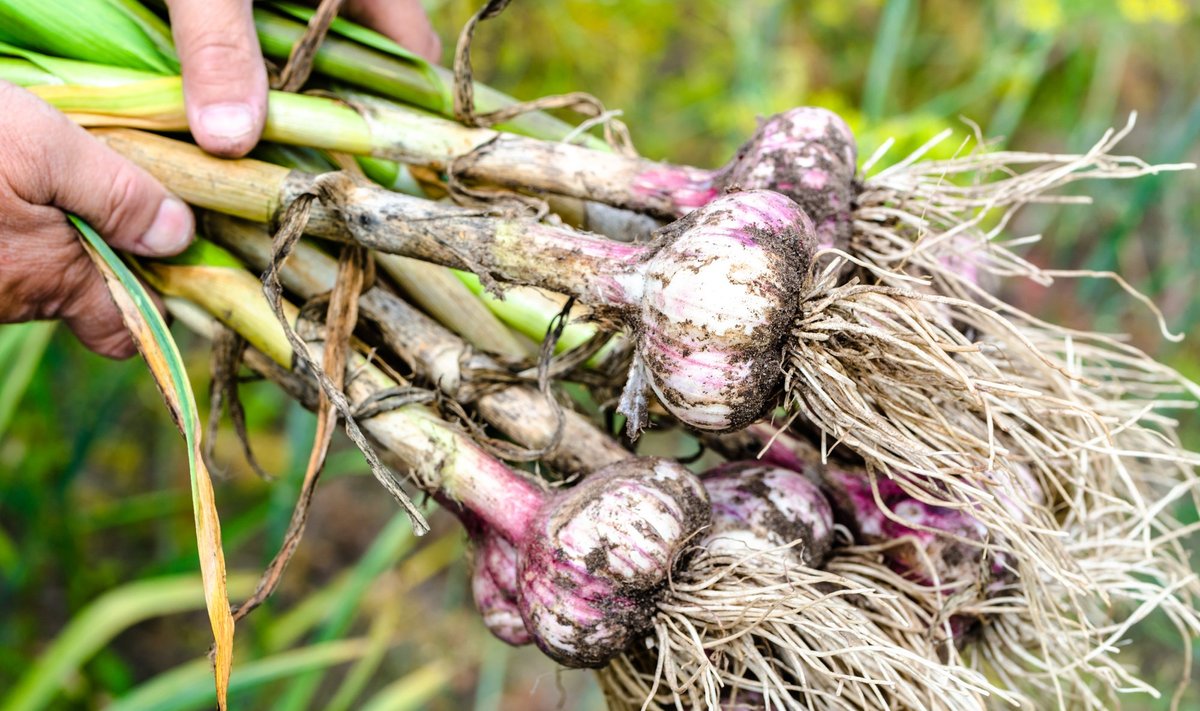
[154, 341]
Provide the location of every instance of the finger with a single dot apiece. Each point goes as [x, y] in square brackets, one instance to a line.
[404, 21]
[60, 165]
[130, 209]
[92, 314]
[79, 294]
[224, 80]
[102, 330]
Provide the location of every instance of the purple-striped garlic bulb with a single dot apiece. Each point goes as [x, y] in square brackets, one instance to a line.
[717, 301]
[494, 587]
[585, 566]
[758, 507]
[957, 558]
[709, 303]
[808, 154]
[595, 558]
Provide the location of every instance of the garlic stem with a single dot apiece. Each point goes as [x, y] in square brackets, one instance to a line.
[711, 301]
[440, 357]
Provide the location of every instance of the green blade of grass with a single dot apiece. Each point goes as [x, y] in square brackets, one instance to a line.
[97, 624]
[393, 541]
[1024, 79]
[414, 690]
[21, 349]
[382, 632]
[187, 687]
[493, 667]
[432, 558]
[889, 49]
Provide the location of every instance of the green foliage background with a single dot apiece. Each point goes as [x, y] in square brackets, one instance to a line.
[93, 488]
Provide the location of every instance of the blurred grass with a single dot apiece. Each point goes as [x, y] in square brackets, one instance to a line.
[93, 490]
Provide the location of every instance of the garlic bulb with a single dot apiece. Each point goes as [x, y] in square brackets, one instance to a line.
[759, 507]
[809, 154]
[599, 554]
[717, 302]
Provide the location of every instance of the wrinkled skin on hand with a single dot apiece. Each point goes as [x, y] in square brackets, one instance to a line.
[49, 166]
[224, 80]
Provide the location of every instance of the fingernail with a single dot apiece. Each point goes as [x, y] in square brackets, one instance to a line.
[227, 121]
[171, 230]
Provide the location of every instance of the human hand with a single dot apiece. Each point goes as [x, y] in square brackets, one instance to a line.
[49, 165]
[224, 81]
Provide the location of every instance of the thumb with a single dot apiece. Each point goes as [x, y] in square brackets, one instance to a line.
[120, 200]
[224, 80]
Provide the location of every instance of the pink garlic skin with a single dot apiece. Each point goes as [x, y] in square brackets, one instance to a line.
[598, 556]
[954, 562]
[810, 155]
[759, 507]
[494, 587]
[716, 304]
[684, 187]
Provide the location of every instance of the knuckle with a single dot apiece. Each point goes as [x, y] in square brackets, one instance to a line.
[115, 344]
[28, 159]
[123, 199]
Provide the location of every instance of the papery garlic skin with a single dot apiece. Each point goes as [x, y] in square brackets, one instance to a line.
[760, 507]
[600, 554]
[808, 154]
[718, 300]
